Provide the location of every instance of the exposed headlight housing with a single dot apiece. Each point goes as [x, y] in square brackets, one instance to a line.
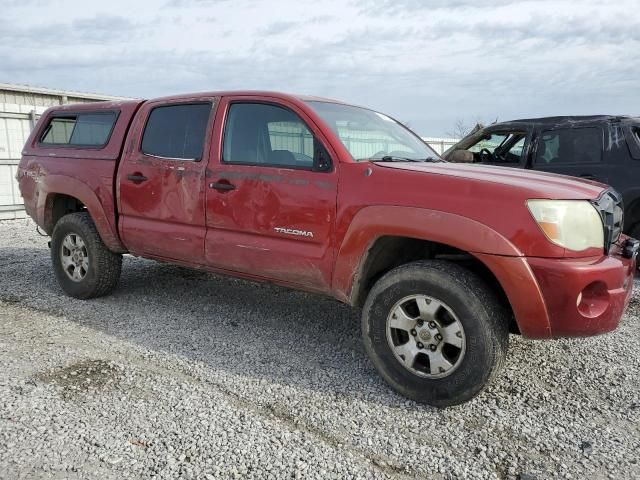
[572, 224]
[611, 209]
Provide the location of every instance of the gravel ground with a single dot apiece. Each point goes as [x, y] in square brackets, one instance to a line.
[182, 374]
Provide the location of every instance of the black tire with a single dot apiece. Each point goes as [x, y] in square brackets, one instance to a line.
[483, 318]
[104, 266]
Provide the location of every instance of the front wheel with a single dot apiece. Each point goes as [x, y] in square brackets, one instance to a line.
[83, 265]
[435, 332]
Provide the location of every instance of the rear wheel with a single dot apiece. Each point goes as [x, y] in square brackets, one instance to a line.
[84, 266]
[435, 332]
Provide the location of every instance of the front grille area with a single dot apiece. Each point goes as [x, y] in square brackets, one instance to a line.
[611, 209]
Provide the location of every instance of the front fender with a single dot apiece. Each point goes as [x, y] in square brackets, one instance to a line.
[103, 216]
[373, 222]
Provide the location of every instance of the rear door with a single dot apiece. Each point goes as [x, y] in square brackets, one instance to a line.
[575, 151]
[161, 179]
[271, 194]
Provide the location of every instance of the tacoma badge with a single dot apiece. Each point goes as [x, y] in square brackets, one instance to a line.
[293, 231]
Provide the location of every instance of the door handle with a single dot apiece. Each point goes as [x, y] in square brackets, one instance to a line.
[136, 178]
[222, 186]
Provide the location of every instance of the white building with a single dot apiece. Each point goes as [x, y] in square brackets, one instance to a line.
[20, 108]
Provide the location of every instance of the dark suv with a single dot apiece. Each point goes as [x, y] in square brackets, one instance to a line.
[602, 148]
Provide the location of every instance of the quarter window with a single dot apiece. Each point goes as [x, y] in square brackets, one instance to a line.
[570, 145]
[176, 131]
[91, 129]
[261, 134]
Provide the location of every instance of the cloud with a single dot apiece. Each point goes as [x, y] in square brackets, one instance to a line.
[278, 28]
[410, 6]
[427, 62]
[98, 29]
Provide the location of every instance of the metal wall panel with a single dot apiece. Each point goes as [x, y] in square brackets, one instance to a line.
[9, 194]
[13, 134]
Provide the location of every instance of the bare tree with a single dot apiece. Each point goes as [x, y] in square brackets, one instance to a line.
[461, 128]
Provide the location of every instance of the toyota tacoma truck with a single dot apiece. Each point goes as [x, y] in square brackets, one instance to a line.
[444, 260]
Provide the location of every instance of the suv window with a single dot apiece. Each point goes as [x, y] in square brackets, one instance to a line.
[505, 147]
[91, 129]
[262, 134]
[490, 142]
[176, 131]
[570, 145]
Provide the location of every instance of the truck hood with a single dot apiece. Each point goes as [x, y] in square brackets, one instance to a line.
[539, 184]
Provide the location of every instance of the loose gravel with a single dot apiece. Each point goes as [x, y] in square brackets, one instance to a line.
[185, 375]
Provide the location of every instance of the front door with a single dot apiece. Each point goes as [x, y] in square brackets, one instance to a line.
[271, 194]
[161, 180]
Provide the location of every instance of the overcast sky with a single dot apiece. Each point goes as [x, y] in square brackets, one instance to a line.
[425, 62]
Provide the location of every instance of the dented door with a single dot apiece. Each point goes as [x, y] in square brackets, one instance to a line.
[161, 180]
[264, 218]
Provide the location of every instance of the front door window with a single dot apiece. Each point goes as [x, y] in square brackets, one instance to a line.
[503, 147]
[267, 135]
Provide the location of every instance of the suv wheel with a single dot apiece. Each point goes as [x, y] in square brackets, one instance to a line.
[83, 265]
[435, 332]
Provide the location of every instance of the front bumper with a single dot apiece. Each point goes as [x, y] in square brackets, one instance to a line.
[575, 297]
[585, 296]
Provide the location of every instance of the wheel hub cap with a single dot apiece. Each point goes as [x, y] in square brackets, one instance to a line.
[426, 336]
[74, 257]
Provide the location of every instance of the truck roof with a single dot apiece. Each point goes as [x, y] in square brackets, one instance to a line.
[260, 93]
[75, 107]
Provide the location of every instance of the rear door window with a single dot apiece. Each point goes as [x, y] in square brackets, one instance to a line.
[91, 129]
[569, 145]
[176, 131]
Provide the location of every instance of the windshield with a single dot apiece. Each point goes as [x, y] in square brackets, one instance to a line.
[369, 135]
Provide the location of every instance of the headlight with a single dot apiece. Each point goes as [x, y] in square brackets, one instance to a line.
[572, 224]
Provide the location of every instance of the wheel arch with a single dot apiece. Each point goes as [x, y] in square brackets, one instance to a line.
[381, 238]
[61, 195]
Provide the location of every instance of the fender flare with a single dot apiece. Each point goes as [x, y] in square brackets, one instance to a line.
[52, 185]
[488, 246]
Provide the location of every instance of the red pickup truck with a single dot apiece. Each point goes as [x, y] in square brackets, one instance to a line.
[444, 259]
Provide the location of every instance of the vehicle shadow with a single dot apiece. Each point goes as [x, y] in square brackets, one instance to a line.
[246, 328]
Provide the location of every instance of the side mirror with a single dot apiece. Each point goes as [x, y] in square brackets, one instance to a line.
[460, 156]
